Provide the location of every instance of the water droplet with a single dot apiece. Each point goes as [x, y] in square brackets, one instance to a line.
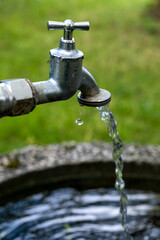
[79, 121]
[81, 109]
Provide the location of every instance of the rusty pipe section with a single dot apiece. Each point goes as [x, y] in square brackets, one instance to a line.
[17, 97]
[47, 91]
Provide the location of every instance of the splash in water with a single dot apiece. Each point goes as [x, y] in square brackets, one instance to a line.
[108, 118]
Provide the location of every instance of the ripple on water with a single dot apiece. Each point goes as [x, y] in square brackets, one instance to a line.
[67, 214]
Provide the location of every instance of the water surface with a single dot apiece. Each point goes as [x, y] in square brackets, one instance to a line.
[67, 214]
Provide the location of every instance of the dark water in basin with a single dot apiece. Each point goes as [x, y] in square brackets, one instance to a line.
[68, 214]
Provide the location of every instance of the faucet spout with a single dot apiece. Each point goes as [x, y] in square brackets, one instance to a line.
[88, 86]
[90, 94]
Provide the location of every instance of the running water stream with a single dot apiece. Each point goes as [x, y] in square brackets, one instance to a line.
[108, 118]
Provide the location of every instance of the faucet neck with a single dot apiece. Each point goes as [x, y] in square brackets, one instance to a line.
[67, 44]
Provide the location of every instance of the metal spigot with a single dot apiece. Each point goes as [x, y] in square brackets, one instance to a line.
[66, 76]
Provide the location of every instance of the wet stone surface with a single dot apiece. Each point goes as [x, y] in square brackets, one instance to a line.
[34, 157]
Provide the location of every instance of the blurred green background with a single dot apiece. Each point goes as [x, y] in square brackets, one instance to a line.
[122, 51]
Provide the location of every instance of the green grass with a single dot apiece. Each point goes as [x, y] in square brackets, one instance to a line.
[122, 51]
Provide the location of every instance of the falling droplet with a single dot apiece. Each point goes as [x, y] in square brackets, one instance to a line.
[79, 121]
[81, 109]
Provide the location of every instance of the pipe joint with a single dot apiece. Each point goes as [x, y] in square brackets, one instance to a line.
[16, 97]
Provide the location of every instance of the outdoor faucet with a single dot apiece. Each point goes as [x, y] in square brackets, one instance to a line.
[66, 76]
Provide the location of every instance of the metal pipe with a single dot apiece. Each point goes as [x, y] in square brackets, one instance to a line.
[47, 91]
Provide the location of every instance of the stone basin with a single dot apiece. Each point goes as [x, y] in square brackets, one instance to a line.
[80, 165]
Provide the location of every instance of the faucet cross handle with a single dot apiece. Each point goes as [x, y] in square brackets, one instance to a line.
[68, 26]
